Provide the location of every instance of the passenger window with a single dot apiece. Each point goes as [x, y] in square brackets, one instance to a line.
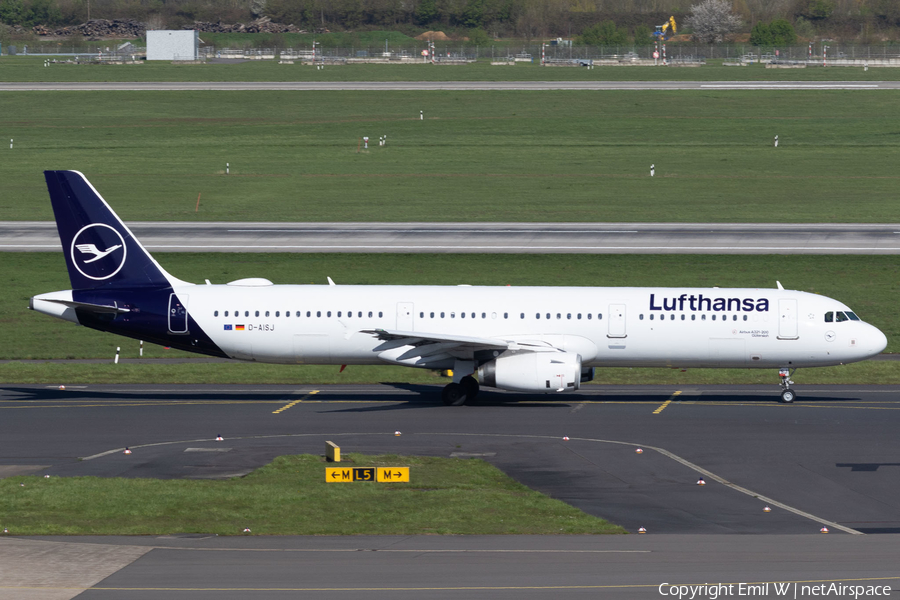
[453, 315]
[829, 317]
[745, 317]
[493, 315]
[693, 317]
[714, 317]
[505, 315]
[267, 313]
[318, 313]
[652, 316]
[641, 317]
[462, 315]
[734, 318]
[579, 316]
[703, 318]
[421, 315]
[328, 314]
[216, 313]
[590, 316]
[484, 315]
[380, 314]
[370, 314]
[568, 315]
[442, 315]
[537, 315]
[548, 315]
[671, 317]
[338, 314]
[599, 316]
[277, 313]
[522, 315]
[308, 314]
[359, 314]
[430, 315]
[257, 313]
[682, 317]
[246, 313]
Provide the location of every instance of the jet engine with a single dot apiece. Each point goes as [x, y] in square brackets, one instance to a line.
[535, 372]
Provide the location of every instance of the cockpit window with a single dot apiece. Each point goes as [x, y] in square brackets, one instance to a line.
[853, 316]
[841, 317]
[829, 317]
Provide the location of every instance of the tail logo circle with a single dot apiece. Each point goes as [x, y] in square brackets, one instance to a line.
[98, 251]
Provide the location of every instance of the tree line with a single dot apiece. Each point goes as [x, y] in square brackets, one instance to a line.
[491, 18]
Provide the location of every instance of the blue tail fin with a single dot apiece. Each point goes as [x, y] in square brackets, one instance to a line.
[100, 250]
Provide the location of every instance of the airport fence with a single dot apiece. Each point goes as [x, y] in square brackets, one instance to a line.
[459, 52]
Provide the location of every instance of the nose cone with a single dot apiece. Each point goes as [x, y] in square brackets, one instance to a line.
[875, 342]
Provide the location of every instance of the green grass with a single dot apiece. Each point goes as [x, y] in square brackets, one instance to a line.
[290, 497]
[30, 68]
[868, 284]
[478, 156]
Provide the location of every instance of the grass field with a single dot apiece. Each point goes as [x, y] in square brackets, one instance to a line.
[31, 68]
[868, 284]
[483, 500]
[478, 156]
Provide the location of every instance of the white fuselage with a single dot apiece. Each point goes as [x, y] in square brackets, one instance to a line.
[641, 327]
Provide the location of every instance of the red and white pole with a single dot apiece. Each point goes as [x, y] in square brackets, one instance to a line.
[664, 55]
[824, 56]
[810, 51]
[542, 54]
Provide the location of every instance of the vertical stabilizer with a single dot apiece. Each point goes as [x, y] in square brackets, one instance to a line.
[100, 250]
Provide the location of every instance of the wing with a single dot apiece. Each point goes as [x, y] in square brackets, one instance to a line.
[419, 348]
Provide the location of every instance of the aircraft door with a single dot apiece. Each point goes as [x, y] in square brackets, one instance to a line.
[616, 321]
[787, 321]
[178, 315]
[405, 316]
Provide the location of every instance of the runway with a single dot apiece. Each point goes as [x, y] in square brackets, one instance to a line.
[829, 459]
[513, 238]
[441, 85]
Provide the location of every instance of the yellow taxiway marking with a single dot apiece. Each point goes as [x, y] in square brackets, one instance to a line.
[298, 401]
[666, 403]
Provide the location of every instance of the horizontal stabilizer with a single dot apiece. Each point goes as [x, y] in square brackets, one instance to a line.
[97, 308]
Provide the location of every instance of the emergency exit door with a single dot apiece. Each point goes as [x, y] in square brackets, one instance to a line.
[405, 316]
[617, 321]
[788, 328]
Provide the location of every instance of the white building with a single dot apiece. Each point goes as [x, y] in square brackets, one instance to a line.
[172, 45]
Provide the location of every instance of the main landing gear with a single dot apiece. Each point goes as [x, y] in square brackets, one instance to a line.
[787, 394]
[457, 394]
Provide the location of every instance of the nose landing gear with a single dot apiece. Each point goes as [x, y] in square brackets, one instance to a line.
[787, 394]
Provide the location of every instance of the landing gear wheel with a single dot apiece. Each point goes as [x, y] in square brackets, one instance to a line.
[787, 394]
[470, 385]
[453, 394]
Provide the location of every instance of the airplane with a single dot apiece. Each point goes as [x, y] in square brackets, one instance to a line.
[524, 339]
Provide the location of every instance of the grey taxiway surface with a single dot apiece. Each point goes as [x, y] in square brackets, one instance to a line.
[586, 238]
[445, 85]
[828, 460]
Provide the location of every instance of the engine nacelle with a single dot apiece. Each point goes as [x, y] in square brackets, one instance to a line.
[533, 372]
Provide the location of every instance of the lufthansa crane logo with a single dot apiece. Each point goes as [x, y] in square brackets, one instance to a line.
[98, 251]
